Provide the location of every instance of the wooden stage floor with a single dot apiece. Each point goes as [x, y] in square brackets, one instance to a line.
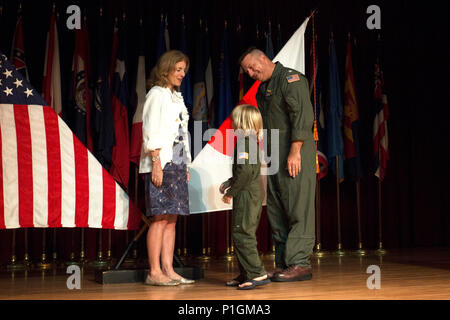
[405, 274]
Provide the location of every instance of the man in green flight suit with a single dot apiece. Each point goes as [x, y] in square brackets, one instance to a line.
[284, 103]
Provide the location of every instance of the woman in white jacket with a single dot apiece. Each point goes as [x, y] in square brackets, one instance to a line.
[165, 158]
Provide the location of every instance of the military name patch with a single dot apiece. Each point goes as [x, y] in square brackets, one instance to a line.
[293, 78]
[243, 155]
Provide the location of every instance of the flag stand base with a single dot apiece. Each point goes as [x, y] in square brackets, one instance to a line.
[139, 275]
[117, 275]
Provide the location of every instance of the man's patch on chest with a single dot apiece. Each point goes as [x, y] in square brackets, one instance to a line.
[268, 93]
[293, 78]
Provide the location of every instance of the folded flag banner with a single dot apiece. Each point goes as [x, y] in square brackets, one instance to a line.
[380, 127]
[225, 98]
[80, 96]
[209, 81]
[47, 177]
[212, 166]
[316, 94]
[269, 44]
[200, 101]
[185, 88]
[335, 117]
[18, 48]
[103, 127]
[351, 120]
[140, 93]
[120, 165]
[51, 83]
[163, 44]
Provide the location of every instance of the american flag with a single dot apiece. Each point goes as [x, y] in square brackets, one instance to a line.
[47, 176]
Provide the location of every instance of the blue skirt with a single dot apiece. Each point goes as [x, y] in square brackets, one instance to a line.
[172, 197]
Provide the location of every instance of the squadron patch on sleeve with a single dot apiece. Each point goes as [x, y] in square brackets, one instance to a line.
[243, 155]
[293, 78]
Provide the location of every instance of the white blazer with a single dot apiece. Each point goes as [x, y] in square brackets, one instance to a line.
[160, 126]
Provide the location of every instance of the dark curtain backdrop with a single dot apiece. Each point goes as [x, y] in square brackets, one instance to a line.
[415, 193]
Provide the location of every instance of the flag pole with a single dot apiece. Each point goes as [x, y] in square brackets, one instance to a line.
[83, 259]
[72, 254]
[14, 265]
[44, 263]
[131, 260]
[230, 239]
[208, 228]
[55, 251]
[380, 251]
[319, 253]
[136, 199]
[146, 225]
[228, 256]
[26, 257]
[339, 250]
[205, 232]
[108, 252]
[272, 252]
[185, 252]
[360, 250]
[203, 256]
[178, 244]
[100, 262]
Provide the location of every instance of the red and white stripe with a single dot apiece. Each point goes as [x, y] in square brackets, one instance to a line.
[136, 129]
[49, 179]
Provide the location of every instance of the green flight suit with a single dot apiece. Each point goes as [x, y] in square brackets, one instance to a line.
[247, 204]
[285, 105]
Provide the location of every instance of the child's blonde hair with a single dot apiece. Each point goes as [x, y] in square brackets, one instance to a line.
[248, 119]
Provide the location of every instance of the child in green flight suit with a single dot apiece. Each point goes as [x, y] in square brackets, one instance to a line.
[245, 190]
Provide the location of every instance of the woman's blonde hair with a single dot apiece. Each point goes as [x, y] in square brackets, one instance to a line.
[165, 65]
[247, 118]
